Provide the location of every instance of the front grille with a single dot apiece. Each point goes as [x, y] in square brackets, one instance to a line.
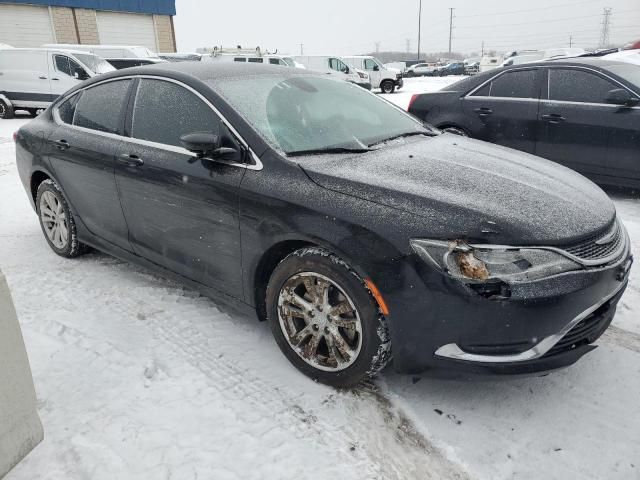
[588, 330]
[589, 249]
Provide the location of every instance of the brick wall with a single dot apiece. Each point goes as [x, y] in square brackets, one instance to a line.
[164, 33]
[63, 25]
[87, 26]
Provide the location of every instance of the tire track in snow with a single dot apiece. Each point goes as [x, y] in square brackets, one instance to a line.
[378, 440]
[623, 338]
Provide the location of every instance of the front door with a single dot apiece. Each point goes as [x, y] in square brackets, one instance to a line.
[82, 150]
[575, 121]
[63, 70]
[505, 109]
[373, 69]
[182, 211]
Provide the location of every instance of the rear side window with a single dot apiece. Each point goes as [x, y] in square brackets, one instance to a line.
[180, 112]
[100, 108]
[255, 60]
[239, 59]
[571, 85]
[67, 109]
[275, 61]
[517, 84]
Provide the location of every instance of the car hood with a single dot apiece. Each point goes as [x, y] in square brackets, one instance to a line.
[470, 189]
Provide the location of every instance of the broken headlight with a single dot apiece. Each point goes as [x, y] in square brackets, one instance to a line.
[489, 263]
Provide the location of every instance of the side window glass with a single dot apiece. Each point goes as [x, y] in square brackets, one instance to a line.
[180, 112]
[100, 107]
[255, 60]
[239, 59]
[275, 61]
[368, 64]
[333, 63]
[570, 85]
[518, 84]
[67, 109]
[62, 64]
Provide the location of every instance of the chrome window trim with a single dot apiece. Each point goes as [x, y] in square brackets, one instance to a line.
[590, 70]
[518, 69]
[453, 351]
[162, 146]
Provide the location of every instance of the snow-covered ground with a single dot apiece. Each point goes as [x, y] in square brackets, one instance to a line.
[140, 378]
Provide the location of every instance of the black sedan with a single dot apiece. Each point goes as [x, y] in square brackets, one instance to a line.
[356, 231]
[582, 113]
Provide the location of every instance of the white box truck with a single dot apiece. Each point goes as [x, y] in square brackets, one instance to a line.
[336, 66]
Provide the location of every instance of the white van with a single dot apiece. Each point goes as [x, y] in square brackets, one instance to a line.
[382, 77]
[32, 78]
[267, 59]
[337, 66]
[120, 56]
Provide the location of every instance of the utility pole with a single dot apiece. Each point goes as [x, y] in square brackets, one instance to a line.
[419, 27]
[377, 47]
[301, 49]
[482, 50]
[606, 25]
[450, 27]
[570, 41]
[408, 40]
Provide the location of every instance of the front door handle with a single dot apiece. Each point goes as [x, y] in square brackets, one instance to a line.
[62, 144]
[42, 77]
[553, 118]
[130, 160]
[483, 112]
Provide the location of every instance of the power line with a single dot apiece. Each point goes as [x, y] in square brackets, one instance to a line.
[529, 9]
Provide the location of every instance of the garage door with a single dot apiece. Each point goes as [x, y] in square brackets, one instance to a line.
[127, 29]
[25, 26]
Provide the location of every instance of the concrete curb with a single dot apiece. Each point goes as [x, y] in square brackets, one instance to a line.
[20, 426]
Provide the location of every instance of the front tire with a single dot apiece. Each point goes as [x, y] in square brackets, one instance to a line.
[6, 110]
[325, 320]
[56, 221]
[387, 86]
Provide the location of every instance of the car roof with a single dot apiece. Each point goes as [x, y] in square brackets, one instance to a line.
[47, 49]
[597, 62]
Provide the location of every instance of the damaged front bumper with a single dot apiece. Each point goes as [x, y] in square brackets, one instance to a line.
[530, 325]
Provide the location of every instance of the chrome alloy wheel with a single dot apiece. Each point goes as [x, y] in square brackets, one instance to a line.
[54, 220]
[319, 321]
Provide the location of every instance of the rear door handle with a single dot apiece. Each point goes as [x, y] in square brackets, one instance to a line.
[42, 77]
[553, 118]
[483, 112]
[130, 160]
[62, 144]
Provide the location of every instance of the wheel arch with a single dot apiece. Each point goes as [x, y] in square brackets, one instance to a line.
[444, 125]
[37, 177]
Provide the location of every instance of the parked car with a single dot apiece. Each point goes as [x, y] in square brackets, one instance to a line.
[582, 113]
[386, 79]
[117, 55]
[635, 45]
[421, 69]
[31, 78]
[349, 225]
[472, 66]
[627, 56]
[454, 68]
[335, 66]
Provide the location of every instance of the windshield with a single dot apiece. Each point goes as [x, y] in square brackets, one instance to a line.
[305, 113]
[630, 72]
[96, 64]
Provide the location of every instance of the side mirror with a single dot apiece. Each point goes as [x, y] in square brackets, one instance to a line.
[205, 144]
[345, 70]
[376, 68]
[80, 74]
[622, 97]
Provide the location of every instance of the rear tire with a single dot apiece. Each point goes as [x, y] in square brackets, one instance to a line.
[387, 86]
[325, 320]
[57, 222]
[6, 110]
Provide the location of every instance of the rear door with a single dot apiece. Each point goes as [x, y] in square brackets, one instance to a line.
[504, 110]
[576, 123]
[182, 211]
[82, 152]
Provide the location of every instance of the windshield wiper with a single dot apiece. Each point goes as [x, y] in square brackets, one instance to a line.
[403, 135]
[321, 151]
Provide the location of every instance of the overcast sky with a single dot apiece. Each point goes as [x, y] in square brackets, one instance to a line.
[344, 27]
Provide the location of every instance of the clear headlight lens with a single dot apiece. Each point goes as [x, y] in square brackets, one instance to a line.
[487, 263]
